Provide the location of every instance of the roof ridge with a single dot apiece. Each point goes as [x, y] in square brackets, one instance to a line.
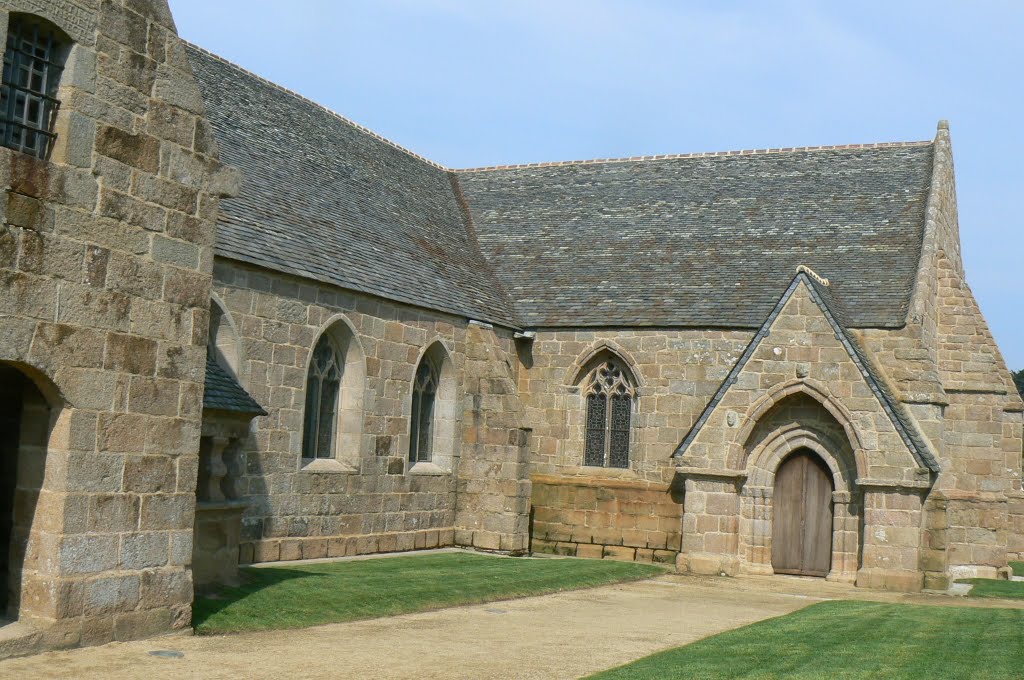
[344, 119]
[544, 164]
[701, 154]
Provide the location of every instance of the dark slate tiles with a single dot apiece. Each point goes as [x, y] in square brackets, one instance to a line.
[828, 299]
[223, 393]
[324, 199]
[704, 240]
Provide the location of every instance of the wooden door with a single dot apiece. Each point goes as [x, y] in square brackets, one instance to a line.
[802, 516]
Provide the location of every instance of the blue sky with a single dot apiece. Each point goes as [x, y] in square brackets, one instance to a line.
[469, 83]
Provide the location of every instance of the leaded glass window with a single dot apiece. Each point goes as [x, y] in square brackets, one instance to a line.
[28, 94]
[424, 398]
[609, 393]
[323, 392]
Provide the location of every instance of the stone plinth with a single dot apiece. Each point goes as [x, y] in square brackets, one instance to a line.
[217, 532]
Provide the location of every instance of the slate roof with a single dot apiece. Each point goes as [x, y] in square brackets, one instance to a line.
[703, 240]
[223, 393]
[325, 199]
[836, 314]
[694, 241]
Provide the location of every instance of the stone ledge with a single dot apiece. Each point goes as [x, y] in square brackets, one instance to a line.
[892, 484]
[713, 473]
[599, 482]
[328, 465]
[428, 469]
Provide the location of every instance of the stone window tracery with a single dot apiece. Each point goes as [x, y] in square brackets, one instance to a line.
[609, 391]
[323, 392]
[33, 62]
[424, 396]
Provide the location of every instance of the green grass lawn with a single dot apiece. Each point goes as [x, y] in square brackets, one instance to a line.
[849, 639]
[1018, 568]
[990, 587]
[329, 592]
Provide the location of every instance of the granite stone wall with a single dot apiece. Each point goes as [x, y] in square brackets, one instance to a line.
[800, 389]
[370, 498]
[635, 512]
[105, 260]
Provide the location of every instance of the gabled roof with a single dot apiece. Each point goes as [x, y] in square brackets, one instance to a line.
[703, 240]
[223, 393]
[325, 199]
[835, 313]
[699, 240]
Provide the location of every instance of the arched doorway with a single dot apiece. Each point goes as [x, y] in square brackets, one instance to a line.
[24, 433]
[802, 516]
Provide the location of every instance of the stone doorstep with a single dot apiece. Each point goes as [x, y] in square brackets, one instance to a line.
[18, 639]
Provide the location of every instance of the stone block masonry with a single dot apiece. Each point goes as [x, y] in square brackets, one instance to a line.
[475, 491]
[618, 519]
[105, 262]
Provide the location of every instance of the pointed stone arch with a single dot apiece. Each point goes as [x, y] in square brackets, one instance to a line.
[772, 434]
[224, 340]
[444, 424]
[739, 448]
[599, 349]
[348, 443]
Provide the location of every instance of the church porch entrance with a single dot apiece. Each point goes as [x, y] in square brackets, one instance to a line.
[802, 516]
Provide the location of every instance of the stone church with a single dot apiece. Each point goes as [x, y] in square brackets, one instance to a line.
[237, 327]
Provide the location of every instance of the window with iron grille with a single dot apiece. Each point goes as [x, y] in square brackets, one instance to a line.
[424, 398]
[323, 391]
[33, 62]
[609, 393]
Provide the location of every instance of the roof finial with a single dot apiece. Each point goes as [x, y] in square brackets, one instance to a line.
[802, 268]
[943, 125]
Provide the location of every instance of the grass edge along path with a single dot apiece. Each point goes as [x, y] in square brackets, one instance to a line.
[313, 594]
[995, 588]
[850, 640]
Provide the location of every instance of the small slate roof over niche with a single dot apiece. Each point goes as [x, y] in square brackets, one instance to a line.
[703, 240]
[223, 393]
[324, 199]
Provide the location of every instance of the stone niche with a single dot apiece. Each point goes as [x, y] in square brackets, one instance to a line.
[219, 499]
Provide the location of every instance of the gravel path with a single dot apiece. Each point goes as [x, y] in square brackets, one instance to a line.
[554, 636]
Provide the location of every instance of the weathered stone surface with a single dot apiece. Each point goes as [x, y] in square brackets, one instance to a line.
[106, 254]
[85, 317]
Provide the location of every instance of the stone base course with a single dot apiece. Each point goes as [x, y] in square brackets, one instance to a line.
[288, 549]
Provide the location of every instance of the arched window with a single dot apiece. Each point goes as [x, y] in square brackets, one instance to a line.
[222, 341]
[424, 397]
[609, 390]
[332, 422]
[433, 414]
[33, 62]
[323, 392]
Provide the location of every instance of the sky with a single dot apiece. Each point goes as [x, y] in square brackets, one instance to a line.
[470, 83]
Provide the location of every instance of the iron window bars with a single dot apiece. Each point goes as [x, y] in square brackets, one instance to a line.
[607, 429]
[28, 105]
